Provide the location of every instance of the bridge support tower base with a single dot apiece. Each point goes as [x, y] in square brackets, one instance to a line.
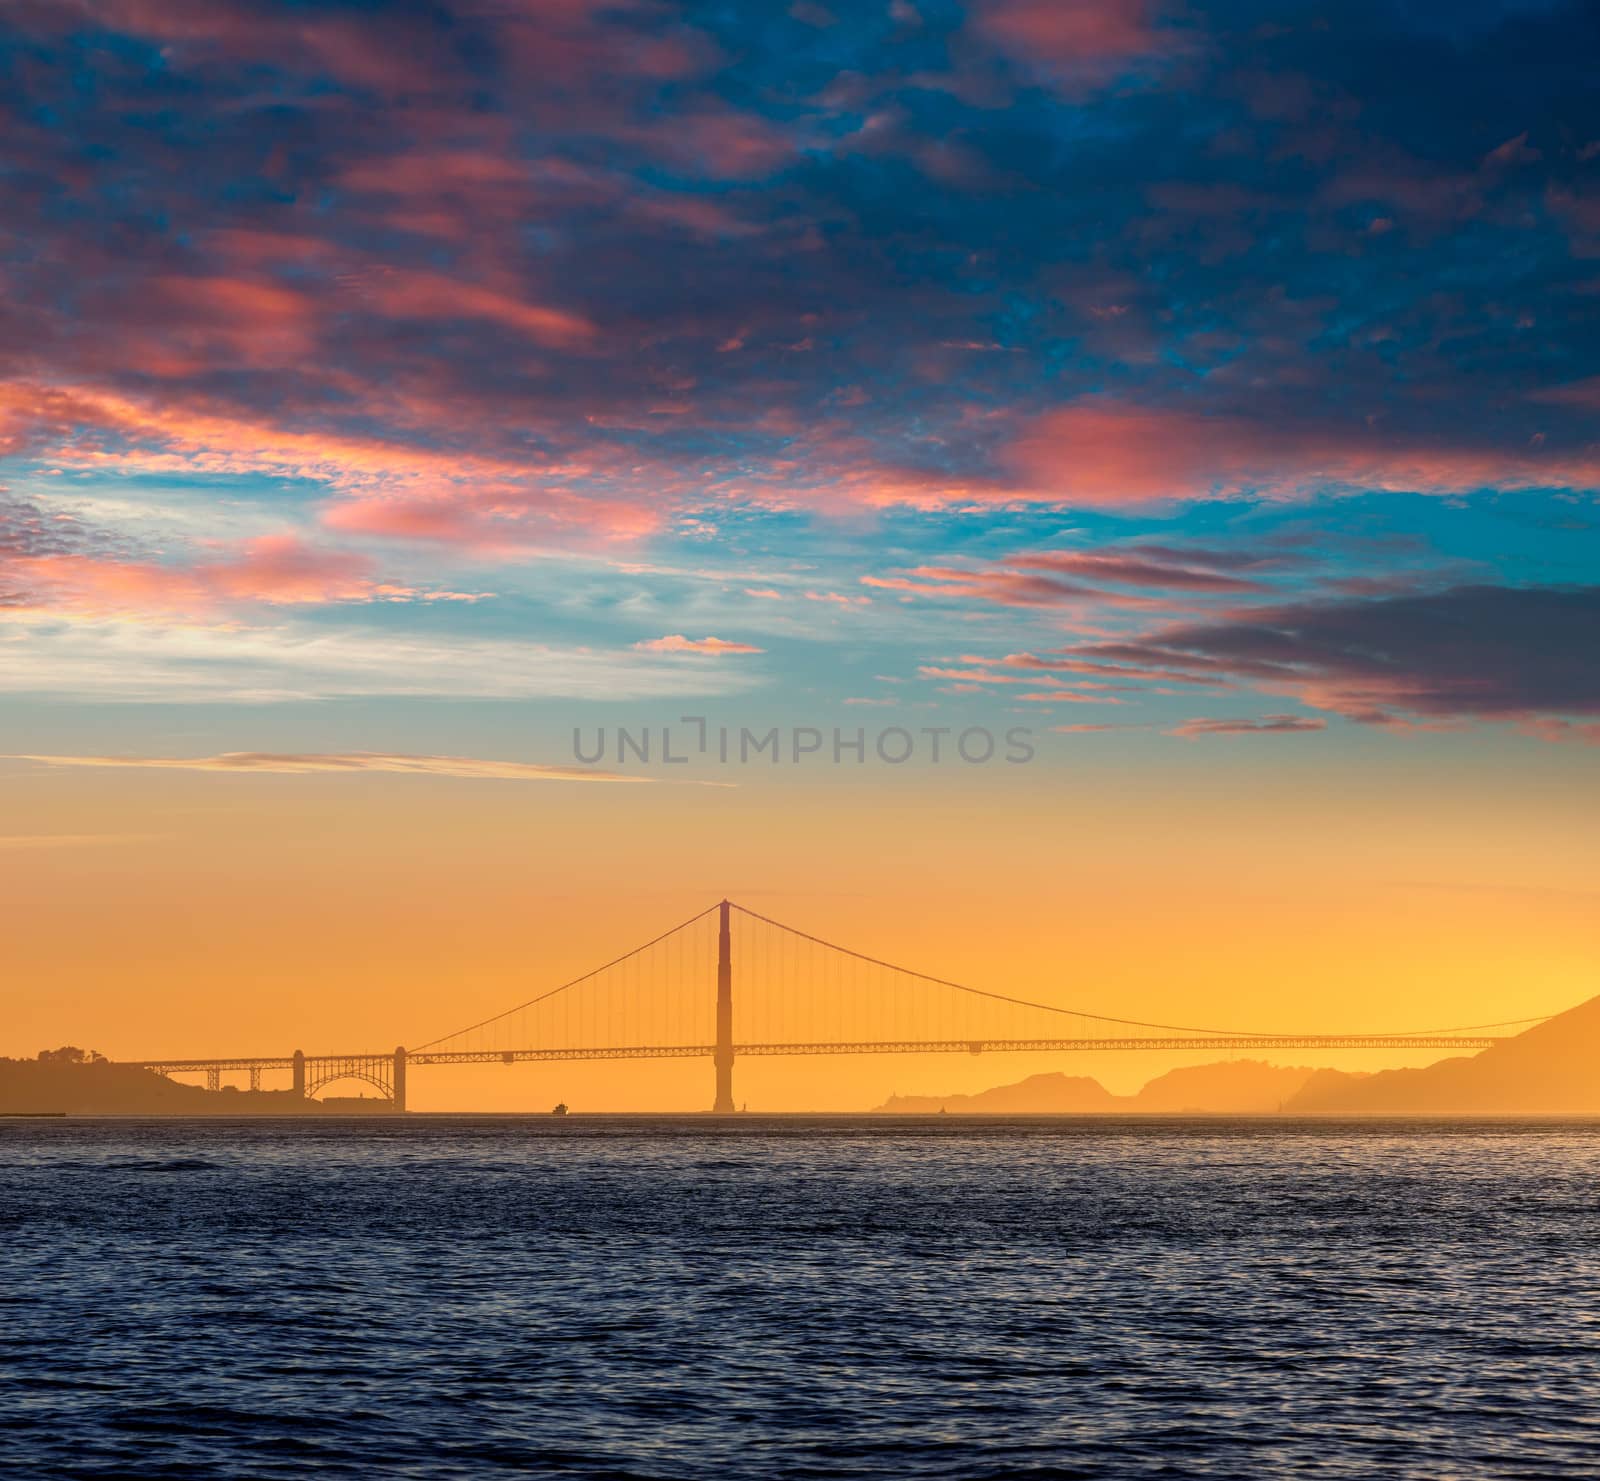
[723, 1057]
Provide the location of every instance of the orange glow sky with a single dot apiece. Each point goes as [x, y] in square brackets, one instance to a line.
[192, 914]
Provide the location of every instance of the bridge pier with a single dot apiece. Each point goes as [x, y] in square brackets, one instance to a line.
[299, 1071]
[397, 1093]
[723, 1056]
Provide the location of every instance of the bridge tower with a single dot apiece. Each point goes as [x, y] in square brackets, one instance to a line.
[723, 1057]
[299, 1072]
[397, 1086]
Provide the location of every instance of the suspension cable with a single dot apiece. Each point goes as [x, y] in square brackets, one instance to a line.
[576, 981]
[1103, 1017]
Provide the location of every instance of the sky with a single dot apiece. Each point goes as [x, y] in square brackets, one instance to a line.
[398, 399]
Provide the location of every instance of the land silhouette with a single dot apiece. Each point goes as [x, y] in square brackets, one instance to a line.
[1235, 1087]
[1552, 1069]
[79, 1082]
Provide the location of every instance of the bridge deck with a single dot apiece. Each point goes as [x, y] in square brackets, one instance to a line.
[1217, 1045]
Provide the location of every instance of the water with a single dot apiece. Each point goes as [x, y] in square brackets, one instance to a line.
[473, 1297]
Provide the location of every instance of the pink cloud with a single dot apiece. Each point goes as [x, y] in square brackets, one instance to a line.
[479, 499]
[83, 584]
[252, 247]
[973, 675]
[1579, 207]
[677, 643]
[184, 324]
[421, 295]
[434, 171]
[1098, 668]
[1548, 728]
[496, 516]
[1000, 587]
[89, 426]
[1078, 35]
[1133, 569]
[283, 570]
[1585, 393]
[390, 57]
[1515, 151]
[1103, 452]
[1262, 725]
[272, 570]
[455, 192]
[721, 142]
[565, 46]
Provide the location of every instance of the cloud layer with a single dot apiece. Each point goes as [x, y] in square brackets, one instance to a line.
[498, 350]
[1468, 653]
[589, 263]
[344, 764]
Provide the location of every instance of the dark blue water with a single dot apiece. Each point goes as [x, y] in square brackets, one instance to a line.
[798, 1298]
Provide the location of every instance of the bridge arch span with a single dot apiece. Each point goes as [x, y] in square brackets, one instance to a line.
[376, 1071]
[376, 1081]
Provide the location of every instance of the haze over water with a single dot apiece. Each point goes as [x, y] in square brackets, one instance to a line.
[839, 1297]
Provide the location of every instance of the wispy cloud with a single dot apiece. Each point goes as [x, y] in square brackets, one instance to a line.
[1260, 725]
[274, 570]
[125, 661]
[31, 842]
[298, 763]
[1099, 452]
[1519, 654]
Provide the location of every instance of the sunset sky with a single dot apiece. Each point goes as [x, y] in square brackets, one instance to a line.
[387, 391]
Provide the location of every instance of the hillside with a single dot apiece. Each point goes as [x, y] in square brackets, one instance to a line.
[1037, 1095]
[1551, 1069]
[1239, 1087]
[1236, 1087]
[67, 1081]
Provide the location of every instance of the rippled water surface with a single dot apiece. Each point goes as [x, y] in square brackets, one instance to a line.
[442, 1297]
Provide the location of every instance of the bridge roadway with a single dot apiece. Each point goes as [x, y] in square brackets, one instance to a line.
[309, 1073]
[387, 1071]
[321, 1064]
[957, 1046]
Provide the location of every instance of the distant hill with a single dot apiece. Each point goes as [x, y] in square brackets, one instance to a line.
[1552, 1069]
[1235, 1087]
[1037, 1095]
[1239, 1087]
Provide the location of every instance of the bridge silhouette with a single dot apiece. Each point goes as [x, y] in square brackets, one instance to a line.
[673, 998]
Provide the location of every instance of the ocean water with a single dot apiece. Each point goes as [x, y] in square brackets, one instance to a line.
[808, 1298]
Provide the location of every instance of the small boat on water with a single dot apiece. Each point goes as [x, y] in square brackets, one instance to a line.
[560, 1110]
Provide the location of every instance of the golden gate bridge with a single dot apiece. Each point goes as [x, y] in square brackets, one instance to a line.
[673, 998]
